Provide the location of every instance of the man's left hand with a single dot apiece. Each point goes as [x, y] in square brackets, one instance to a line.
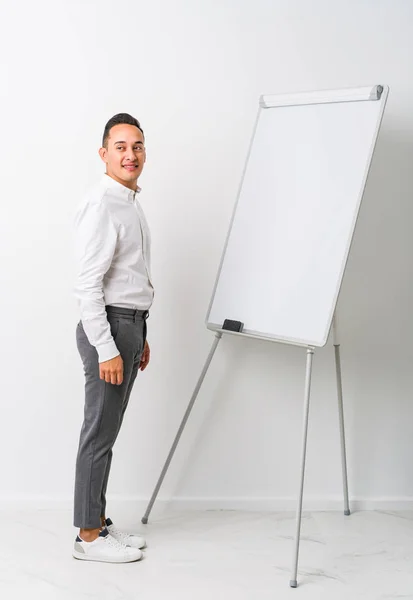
[146, 356]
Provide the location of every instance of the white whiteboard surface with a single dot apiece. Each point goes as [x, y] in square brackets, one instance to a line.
[294, 219]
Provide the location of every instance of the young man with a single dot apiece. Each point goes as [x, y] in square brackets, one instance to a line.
[114, 292]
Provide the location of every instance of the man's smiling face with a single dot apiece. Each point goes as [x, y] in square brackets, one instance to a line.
[124, 154]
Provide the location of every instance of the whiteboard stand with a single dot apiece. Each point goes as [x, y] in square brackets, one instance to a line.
[290, 235]
[307, 390]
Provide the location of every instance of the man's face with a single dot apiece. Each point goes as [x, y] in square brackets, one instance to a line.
[125, 154]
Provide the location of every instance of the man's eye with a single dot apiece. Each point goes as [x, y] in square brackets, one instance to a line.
[119, 148]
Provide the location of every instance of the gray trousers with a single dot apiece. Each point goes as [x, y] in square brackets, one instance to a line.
[105, 406]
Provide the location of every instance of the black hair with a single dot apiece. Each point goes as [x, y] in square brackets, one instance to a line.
[119, 119]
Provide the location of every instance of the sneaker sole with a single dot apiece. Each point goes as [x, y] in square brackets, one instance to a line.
[81, 556]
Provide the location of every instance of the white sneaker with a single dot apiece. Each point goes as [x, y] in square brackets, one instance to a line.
[129, 539]
[105, 549]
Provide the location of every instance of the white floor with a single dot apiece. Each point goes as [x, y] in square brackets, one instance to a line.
[220, 555]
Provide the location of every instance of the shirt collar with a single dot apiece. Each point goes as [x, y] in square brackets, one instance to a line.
[122, 190]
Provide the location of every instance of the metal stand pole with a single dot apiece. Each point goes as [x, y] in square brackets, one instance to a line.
[341, 416]
[310, 354]
[218, 336]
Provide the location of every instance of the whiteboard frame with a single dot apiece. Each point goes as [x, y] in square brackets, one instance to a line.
[375, 93]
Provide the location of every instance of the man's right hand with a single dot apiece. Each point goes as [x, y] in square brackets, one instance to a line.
[112, 370]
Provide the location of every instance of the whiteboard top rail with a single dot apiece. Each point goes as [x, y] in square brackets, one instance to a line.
[323, 97]
[294, 218]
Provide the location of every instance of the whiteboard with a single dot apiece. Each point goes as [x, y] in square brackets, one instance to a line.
[294, 219]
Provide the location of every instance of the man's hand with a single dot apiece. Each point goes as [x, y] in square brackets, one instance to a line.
[146, 357]
[112, 370]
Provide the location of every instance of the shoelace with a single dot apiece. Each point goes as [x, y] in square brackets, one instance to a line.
[120, 534]
[114, 542]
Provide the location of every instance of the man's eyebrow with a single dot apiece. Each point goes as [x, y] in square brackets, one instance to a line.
[122, 142]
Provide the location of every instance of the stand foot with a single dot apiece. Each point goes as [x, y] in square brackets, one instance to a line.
[293, 583]
[144, 520]
[347, 513]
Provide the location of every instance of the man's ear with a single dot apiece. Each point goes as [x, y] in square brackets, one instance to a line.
[103, 153]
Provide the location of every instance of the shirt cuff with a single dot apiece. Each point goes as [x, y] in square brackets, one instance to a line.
[107, 351]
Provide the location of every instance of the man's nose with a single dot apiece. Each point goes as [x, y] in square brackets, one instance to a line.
[131, 155]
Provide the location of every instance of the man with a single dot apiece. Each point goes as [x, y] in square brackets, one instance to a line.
[114, 292]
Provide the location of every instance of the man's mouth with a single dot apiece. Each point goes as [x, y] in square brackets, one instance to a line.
[130, 167]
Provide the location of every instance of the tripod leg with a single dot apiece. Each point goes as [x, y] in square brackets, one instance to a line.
[336, 343]
[218, 336]
[342, 434]
[310, 354]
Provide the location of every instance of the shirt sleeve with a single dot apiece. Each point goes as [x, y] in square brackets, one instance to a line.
[95, 243]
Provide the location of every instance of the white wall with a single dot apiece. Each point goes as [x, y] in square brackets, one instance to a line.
[192, 72]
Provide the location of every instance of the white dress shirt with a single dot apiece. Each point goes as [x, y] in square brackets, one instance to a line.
[112, 246]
